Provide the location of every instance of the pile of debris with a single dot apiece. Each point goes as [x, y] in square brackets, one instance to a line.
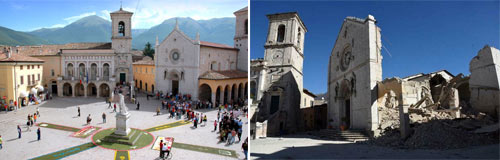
[389, 118]
[443, 134]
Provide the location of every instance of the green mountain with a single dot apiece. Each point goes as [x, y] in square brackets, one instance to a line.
[218, 30]
[14, 38]
[88, 29]
[97, 29]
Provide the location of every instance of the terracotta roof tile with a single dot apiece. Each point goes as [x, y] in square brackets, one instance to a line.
[42, 50]
[18, 58]
[216, 45]
[218, 75]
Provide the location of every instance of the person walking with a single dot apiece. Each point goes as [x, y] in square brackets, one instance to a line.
[88, 120]
[215, 125]
[103, 117]
[38, 133]
[158, 111]
[78, 111]
[18, 132]
[162, 154]
[138, 105]
[1, 141]
[37, 112]
[31, 121]
[244, 146]
[109, 102]
[34, 117]
[114, 107]
[229, 137]
[233, 135]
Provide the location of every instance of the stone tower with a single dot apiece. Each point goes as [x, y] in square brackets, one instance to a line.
[121, 42]
[355, 67]
[285, 44]
[282, 86]
[241, 38]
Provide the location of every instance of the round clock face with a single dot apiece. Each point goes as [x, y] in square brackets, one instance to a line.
[175, 56]
[277, 56]
[345, 59]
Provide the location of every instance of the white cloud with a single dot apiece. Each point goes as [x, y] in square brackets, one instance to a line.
[74, 18]
[153, 12]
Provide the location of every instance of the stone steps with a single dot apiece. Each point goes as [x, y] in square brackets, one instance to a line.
[349, 135]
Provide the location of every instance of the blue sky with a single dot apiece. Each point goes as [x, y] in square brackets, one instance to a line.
[28, 15]
[422, 37]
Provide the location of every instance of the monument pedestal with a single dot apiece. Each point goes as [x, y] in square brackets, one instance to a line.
[122, 127]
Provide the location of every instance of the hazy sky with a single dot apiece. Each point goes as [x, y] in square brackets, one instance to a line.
[28, 15]
[420, 36]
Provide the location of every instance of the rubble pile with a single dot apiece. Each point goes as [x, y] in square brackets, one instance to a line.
[443, 134]
[389, 118]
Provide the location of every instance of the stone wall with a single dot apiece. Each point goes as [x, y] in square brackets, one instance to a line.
[484, 82]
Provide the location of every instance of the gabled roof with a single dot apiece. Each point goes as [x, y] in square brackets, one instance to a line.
[309, 93]
[242, 10]
[216, 45]
[422, 74]
[220, 75]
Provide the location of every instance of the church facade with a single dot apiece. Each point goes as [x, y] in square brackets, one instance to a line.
[204, 70]
[355, 67]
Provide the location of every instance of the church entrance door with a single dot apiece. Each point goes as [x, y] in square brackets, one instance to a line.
[175, 87]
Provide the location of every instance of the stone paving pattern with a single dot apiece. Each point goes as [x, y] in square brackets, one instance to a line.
[63, 111]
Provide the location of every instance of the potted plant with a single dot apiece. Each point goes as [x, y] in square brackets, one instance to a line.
[343, 124]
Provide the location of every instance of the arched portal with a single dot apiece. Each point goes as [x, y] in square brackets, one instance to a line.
[104, 90]
[91, 89]
[174, 78]
[226, 92]
[240, 91]
[79, 90]
[205, 93]
[217, 94]
[345, 103]
[233, 92]
[67, 90]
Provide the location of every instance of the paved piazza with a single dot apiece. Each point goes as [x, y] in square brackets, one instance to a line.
[60, 138]
[305, 147]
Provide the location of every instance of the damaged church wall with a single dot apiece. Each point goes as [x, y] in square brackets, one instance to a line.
[354, 70]
[484, 82]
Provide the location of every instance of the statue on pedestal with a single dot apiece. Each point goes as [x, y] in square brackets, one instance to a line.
[122, 117]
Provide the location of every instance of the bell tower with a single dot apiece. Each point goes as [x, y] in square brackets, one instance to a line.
[121, 39]
[285, 41]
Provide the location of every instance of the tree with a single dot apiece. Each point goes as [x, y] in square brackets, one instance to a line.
[148, 51]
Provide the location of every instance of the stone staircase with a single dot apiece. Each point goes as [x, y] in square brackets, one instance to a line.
[333, 134]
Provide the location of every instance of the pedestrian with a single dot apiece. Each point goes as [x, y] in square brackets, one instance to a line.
[38, 133]
[244, 146]
[166, 149]
[114, 107]
[38, 112]
[229, 137]
[109, 102]
[195, 122]
[103, 117]
[1, 141]
[138, 105]
[215, 125]
[19, 131]
[31, 121]
[89, 119]
[233, 135]
[158, 111]
[78, 111]
[240, 130]
[34, 117]
[162, 154]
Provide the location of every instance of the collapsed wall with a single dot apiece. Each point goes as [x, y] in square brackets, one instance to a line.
[484, 83]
